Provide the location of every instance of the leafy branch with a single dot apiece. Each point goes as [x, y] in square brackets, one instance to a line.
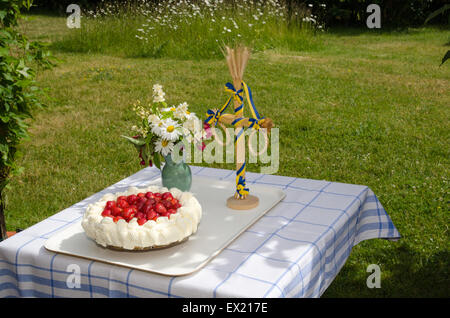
[19, 94]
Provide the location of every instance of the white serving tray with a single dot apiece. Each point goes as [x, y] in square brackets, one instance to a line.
[218, 227]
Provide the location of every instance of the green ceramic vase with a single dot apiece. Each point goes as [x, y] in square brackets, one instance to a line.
[176, 175]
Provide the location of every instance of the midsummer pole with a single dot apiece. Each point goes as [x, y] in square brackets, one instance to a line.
[237, 59]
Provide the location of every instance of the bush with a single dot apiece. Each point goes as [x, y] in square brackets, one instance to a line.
[18, 93]
[59, 6]
[394, 13]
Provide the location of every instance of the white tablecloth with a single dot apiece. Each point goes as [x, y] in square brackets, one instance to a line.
[295, 250]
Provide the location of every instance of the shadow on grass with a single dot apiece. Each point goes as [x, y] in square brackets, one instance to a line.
[363, 30]
[38, 11]
[408, 276]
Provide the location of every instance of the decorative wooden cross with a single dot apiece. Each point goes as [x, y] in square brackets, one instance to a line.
[237, 59]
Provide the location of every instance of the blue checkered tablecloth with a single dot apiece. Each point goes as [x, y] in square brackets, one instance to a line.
[295, 250]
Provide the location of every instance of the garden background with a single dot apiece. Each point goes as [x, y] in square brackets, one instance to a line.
[354, 105]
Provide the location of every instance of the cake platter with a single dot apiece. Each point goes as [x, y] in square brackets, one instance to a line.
[218, 227]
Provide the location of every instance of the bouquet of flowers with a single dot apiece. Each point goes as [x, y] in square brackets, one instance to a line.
[162, 127]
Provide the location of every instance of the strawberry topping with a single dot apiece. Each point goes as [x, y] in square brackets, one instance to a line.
[142, 206]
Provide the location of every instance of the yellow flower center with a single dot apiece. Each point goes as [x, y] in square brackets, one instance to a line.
[188, 112]
[164, 143]
[173, 109]
[170, 128]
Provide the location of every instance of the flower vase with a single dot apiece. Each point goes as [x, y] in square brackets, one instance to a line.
[176, 174]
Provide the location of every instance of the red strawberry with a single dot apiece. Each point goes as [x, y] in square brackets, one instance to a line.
[132, 199]
[128, 213]
[141, 194]
[117, 218]
[141, 203]
[122, 197]
[142, 221]
[151, 214]
[123, 204]
[167, 196]
[171, 211]
[149, 195]
[157, 195]
[110, 204]
[116, 211]
[147, 204]
[165, 214]
[167, 203]
[106, 212]
[160, 208]
[147, 208]
[142, 199]
[140, 215]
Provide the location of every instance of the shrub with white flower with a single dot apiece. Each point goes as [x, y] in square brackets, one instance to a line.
[162, 127]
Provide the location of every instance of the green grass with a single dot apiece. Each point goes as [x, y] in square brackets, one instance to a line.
[179, 31]
[366, 108]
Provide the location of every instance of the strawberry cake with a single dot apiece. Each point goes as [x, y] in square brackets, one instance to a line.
[142, 219]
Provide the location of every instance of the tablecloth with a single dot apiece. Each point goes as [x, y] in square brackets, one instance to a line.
[295, 250]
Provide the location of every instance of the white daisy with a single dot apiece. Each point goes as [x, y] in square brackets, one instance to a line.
[153, 120]
[170, 129]
[189, 128]
[193, 124]
[157, 127]
[189, 125]
[163, 146]
[181, 111]
[168, 109]
[188, 135]
[191, 116]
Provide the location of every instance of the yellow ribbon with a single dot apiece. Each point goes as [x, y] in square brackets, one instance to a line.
[255, 123]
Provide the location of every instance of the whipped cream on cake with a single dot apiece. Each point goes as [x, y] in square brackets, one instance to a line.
[142, 218]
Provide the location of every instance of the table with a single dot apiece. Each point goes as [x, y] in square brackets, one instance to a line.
[295, 250]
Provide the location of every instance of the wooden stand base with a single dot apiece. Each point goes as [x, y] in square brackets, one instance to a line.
[248, 203]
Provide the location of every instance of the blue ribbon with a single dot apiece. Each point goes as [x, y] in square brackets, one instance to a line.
[241, 190]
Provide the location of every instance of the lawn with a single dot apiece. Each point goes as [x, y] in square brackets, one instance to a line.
[358, 107]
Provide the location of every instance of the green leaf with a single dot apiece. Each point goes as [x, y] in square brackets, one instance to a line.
[437, 12]
[137, 142]
[166, 115]
[144, 153]
[157, 160]
[445, 58]
[154, 108]
[4, 51]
